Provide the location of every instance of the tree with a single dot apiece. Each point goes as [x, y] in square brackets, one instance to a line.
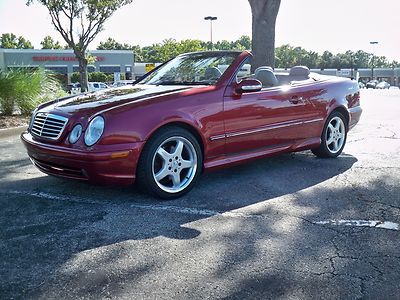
[361, 59]
[111, 44]
[79, 22]
[10, 41]
[394, 64]
[245, 42]
[326, 60]
[49, 43]
[264, 14]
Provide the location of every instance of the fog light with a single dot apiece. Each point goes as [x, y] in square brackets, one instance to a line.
[75, 134]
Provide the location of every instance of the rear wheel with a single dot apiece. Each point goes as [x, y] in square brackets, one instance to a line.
[333, 137]
[170, 163]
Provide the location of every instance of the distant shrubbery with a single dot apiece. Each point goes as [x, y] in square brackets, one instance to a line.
[23, 90]
[286, 56]
[94, 77]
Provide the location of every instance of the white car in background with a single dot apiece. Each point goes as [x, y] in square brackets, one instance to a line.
[97, 86]
[122, 83]
[75, 88]
[382, 85]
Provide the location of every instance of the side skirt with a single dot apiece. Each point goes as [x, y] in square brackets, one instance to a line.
[220, 162]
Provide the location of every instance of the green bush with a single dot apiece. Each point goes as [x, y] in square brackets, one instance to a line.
[25, 89]
[94, 77]
[97, 77]
[75, 77]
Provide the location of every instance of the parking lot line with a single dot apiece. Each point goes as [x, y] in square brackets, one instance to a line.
[154, 207]
[362, 223]
[213, 213]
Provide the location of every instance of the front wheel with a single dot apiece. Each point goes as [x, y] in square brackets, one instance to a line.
[333, 138]
[170, 163]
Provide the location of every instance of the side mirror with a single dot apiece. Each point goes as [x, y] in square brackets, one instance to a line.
[248, 86]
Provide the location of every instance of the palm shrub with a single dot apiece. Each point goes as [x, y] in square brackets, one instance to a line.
[25, 89]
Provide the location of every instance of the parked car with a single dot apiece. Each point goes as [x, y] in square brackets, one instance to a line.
[361, 84]
[122, 83]
[371, 84]
[187, 117]
[382, 85]
[96, 86]
[74, 88]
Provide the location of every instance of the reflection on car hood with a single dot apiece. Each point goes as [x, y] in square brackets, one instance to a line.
[104, 99]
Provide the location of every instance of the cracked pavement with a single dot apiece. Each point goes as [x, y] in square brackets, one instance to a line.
[244, 232]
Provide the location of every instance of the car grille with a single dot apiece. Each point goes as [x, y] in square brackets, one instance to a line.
[48, 125]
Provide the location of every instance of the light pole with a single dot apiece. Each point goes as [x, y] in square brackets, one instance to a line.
[373, 60]
[211, 19]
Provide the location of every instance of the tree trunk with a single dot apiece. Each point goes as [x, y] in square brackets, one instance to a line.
[264, 13]
[83, 62]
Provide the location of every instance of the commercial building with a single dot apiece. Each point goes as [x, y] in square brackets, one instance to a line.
[390, 75]
[121, 62]
[65, 63]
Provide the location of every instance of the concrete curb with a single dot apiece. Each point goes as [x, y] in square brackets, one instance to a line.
[12, 131]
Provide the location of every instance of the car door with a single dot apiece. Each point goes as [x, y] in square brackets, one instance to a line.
[273, 118]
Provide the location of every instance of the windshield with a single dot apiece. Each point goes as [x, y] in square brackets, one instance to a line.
[192, 69]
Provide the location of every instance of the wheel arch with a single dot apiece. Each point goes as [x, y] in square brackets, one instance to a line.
[185, 125]
[344, 111]
[146, 180]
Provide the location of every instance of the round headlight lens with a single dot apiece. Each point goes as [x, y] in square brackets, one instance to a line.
[75, 134]
[94, 131]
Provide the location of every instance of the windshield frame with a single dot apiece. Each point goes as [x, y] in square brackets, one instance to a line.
[204, 54]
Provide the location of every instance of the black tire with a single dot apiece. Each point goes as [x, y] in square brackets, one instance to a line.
[149, 161]
[325, 150]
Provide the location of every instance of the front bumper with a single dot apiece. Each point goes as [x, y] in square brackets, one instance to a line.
[115, 165]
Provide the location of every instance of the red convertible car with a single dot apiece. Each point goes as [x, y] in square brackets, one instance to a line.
[198, 111]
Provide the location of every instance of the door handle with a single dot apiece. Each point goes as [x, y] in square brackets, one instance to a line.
[296, 100]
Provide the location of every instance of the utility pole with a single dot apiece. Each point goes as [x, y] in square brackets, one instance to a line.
[211, 19]
[373, 60]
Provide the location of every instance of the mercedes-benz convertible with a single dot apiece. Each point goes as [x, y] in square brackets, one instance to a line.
[197, 112]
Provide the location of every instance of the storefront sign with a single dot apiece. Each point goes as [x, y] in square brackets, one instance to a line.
[61, 58]
[149, 67]
[343, 73]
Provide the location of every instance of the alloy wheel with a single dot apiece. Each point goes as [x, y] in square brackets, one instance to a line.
[174, 164]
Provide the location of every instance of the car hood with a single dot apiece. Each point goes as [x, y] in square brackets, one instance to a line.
[90, 103]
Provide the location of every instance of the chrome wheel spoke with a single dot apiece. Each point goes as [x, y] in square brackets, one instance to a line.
[164, 172]
[176, 179]
[335, 145]
[338, 125]
[330, 140]
[185, 164]
[163, 154]
[178, 149]
[331, 128]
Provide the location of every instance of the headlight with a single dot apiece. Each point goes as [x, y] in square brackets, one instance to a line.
[75, 134]
[94, 131]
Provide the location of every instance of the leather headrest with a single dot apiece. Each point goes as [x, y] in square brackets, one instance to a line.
[299, 71]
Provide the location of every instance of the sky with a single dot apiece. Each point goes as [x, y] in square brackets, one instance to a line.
[318, 25]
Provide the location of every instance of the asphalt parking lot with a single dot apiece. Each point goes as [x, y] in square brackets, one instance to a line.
[290, 227]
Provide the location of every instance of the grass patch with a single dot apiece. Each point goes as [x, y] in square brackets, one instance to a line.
[23, 90]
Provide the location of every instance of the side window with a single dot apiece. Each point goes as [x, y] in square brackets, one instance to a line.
[245, 70]
[96, 85]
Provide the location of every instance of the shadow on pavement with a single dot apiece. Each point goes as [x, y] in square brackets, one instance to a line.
[41, 235]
